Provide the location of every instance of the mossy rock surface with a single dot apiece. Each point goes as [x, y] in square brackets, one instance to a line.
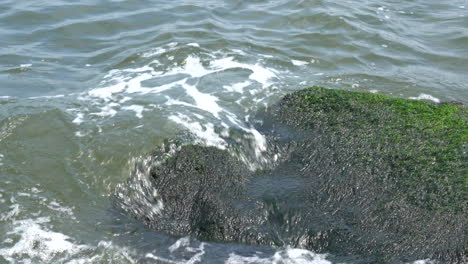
[365, 176]
[423, 144]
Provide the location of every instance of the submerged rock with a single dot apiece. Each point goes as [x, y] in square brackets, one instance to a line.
[361, 175]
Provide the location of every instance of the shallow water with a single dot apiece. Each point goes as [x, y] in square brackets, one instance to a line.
[88, 88]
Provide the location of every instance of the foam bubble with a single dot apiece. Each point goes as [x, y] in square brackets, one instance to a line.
[203, 101]
[259, 73]
[237, 87]
[15, 210]
[47, 96]
[206, 133]
[286, 256]
[138, 109]
[193, 67]
[38, 243]
[424, 96]
[422, 261]
[107, 92]
[183, 244]
[78, 119]
[299, 62]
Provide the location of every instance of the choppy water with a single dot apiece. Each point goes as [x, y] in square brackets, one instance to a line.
[88, 87]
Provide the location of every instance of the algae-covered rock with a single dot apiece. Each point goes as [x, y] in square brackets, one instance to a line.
[398, 165]
[361, 175]
[423, 144]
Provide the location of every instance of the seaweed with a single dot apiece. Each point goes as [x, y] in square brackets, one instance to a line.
[424, 143]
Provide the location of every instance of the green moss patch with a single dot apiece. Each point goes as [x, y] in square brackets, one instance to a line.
[424, 144]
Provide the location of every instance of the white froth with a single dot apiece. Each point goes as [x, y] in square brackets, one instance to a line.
[15, 209]
[259, 73]
[138, 109]
[184, 245]
[107, 92]
[27, 65]
[118, 86]
[205, 133]
[299, 62]
[238, 51]
[158, 89]
[107, 111]
[193, 67]
[287, 256]
[426, 97]
[422, 261]
[56, 206]
[80, 134]
[194, 44]
[125, 99]
[47, 96]
[37, 242]
[203, 101]
[129, 81]
[182, 242]
[260, 143]
[237, 87]
[154, 52]
[78, 119]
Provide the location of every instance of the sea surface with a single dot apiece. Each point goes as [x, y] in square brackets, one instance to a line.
[89, 88]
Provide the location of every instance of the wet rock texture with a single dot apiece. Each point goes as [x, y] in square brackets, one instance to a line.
[360, 175]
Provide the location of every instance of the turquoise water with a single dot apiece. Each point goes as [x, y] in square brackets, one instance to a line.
[89, 88]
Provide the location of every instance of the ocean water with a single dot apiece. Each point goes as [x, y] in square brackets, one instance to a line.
[89, 88]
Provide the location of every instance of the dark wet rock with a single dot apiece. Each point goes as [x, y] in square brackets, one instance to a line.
[360, 174]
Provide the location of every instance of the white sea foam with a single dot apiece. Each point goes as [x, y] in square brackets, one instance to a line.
[287, 256]
[204, 101]
[138, 109]
[205, 132]
[259, 73]
[38, 243]
[424, 96]
[105, 252]
[237, 87]
[47, 96]
[9, 215]
[210, 124]
[78, 119]
[422, 261]
[299, 62]
[183, 244]
[56, 206]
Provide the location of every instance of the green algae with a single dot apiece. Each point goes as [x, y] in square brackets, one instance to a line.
[424, 143]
